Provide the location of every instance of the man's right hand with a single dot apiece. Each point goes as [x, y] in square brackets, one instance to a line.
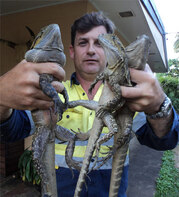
[19, 88]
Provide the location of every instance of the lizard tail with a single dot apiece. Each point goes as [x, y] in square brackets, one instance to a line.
[87, 158]
[84, 170]
[116, 174]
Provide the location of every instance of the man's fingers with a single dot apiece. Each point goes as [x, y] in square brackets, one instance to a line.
[41, 104]
[130, 92]
[53, 69]
[49, 67]
[39, 94]
[138, 76]
[34, 98]
[43, 101]
[58, 86]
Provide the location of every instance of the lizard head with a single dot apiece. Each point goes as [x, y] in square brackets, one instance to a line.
[47, 46]
[49, 36]
[113, 48]
[138, 51]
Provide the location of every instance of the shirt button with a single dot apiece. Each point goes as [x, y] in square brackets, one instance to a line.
[83, 93]
[91, 113]
[67, 116]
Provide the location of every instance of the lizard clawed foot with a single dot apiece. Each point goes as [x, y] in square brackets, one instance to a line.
[101, 112]
[79, 131]
[110, 153]
[80, 136]
[95, 160]
[69, 157]
[74, 164]
[103, 160]
[110, 106]
[58, 109]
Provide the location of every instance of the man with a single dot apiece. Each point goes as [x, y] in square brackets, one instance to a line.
[24, 93]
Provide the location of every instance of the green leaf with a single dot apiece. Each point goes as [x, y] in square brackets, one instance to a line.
[25, 161]
[26, 152]
[28, 173]
[37, 179]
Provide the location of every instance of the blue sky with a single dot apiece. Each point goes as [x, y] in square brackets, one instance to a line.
[169, 13]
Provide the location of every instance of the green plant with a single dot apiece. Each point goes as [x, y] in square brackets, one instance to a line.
[167, 184]
[26, 167]
[170, 86]
[170, 82]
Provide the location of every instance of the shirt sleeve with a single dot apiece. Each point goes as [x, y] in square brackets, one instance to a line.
[147, 137]
[17, 127]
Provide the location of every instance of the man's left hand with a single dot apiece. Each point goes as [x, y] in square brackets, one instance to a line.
[147, 95]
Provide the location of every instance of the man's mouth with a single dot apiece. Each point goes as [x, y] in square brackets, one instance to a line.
[91, 60]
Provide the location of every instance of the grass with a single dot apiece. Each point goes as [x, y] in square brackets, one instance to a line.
[167, 184]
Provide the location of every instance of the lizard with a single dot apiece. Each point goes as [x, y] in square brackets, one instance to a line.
[48, 47]
[116, 74]
[124, 116]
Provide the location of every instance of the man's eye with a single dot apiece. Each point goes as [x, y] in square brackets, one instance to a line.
[98, 44]
[83, 43]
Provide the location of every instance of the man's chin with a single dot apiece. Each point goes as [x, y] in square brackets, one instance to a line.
[92, 72]
[92, 68]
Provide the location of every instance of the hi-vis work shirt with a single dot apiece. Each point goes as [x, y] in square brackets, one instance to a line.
[20, 125]
[80, 118]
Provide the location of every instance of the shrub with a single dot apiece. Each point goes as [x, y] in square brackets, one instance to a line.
[168, 180]
[27, 170]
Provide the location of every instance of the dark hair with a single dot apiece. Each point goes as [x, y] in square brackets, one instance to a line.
[89, 21]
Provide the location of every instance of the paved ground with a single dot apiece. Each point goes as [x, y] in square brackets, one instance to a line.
[14, 187]
[176, 151]
[144, 169]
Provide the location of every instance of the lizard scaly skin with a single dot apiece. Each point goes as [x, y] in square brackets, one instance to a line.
[111, 105]
[48, 47]
[137, 53]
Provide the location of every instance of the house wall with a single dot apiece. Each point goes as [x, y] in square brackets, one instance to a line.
[13, 29]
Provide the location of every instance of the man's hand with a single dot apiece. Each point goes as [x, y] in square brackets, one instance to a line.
[19, 88]
[147, 95]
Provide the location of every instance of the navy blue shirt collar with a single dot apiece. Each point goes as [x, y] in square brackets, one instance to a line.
[74, 80]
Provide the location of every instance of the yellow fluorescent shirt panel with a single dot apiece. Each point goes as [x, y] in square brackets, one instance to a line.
[79, 118]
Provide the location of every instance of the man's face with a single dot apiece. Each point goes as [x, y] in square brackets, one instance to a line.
[88, 55]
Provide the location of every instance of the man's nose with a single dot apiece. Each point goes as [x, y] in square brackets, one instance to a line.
[91, 49]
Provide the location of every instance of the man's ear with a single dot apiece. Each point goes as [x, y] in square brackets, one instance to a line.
[71, 51]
